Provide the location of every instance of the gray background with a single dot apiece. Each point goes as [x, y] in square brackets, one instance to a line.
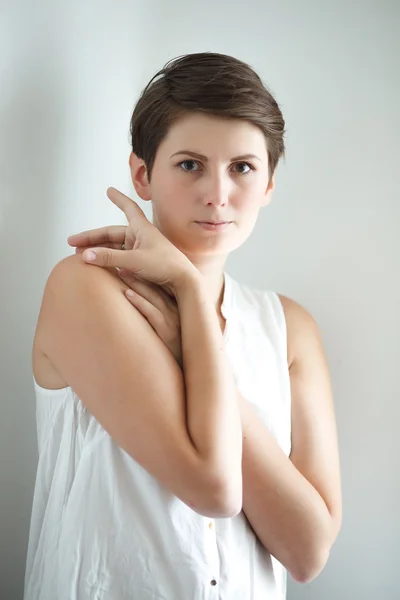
[70, 74]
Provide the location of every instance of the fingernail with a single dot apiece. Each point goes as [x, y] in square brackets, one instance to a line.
[90, 255]
[129, 293]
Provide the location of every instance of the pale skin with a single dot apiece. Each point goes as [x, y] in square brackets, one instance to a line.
[293, 504]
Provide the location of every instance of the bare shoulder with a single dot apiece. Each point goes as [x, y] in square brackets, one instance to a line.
[295, 312]
[70, 268]
[75, 264]
[300, 324]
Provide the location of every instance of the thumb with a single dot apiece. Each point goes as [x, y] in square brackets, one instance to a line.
[107, 257]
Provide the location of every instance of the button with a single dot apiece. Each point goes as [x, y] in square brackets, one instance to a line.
[213, 582]
[211, 524]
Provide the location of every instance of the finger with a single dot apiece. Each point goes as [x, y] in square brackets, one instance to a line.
[146, 308]
[81, 249]
[111, 233]
[108, 257]
[131, 209]
[153, 294]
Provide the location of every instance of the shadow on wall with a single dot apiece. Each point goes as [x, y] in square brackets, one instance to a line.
[32, 107]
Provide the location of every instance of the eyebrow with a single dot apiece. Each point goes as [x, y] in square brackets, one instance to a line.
[205, 159]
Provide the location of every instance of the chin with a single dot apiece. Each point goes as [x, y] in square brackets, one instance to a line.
[195, 241]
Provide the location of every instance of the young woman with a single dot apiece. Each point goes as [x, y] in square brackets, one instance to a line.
[187, 437]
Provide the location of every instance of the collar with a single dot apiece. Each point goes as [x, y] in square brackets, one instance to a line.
[226, 306]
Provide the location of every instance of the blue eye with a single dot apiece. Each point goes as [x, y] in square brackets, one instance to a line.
[190, 162]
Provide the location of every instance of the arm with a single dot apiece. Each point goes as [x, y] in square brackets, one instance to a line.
[294, 505]
[213, 414]
[129, 381]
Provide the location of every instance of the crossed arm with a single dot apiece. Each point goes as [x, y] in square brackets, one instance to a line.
[294, 504]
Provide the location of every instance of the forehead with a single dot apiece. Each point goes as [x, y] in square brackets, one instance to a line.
[210, 135]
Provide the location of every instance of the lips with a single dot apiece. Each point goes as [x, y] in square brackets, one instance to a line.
[214, 222]
[214, 225]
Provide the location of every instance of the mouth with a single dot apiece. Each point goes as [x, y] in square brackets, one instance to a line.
[214, 225]
[214, 222]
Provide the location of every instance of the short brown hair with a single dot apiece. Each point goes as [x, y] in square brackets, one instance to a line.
[205, 82]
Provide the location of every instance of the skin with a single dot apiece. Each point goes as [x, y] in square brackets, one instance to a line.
[203, 190]
[293, 504]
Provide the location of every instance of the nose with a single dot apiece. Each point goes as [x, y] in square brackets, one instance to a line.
[215, 189]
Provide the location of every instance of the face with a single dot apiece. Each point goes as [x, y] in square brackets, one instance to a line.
[207, 169]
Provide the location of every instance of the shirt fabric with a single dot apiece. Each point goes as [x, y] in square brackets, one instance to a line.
[102, 528]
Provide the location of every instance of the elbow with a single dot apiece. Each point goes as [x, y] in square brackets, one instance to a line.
[229, 506]
[223, 500]
[229, 500]
[307, 573]
[307, 570]
[312, 562]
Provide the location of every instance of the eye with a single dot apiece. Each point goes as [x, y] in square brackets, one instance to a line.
[245, 164]
[188, 166]
[189, 163]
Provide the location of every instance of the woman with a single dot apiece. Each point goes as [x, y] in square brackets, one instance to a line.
[187, 438]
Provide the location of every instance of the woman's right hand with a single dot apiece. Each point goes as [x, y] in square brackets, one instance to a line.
[148, 254]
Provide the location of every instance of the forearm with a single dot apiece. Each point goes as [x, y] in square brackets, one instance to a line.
[287, 514]
[213, 415]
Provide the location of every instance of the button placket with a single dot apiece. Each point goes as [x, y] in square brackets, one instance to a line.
[213, 555]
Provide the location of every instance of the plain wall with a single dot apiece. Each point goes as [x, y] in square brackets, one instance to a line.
[70, 74]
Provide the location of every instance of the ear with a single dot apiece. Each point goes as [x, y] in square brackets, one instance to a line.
[139, 176]
[268, 192]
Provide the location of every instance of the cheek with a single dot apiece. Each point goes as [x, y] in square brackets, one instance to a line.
[173, 198]
[173, 192]
[247, 208]
[170, 203]
[248, 201]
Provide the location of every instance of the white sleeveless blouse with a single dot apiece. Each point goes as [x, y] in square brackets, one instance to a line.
[102, 528]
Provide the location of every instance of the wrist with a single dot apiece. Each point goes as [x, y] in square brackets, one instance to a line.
[186, 280]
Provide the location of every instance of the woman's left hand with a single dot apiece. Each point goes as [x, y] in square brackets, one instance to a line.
[160, 310]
